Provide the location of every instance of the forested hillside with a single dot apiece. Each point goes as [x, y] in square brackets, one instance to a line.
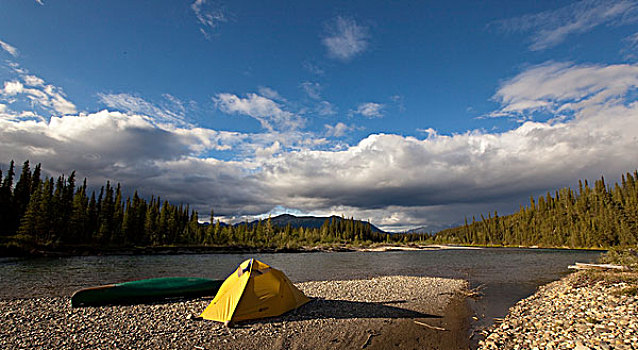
[602, 216]
[48, 213]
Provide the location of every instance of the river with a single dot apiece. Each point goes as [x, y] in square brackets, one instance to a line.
[506, 274]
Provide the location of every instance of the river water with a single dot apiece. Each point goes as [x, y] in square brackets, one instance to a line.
[507, 274]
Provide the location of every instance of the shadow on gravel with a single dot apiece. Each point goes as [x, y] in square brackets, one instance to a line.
[343, 309]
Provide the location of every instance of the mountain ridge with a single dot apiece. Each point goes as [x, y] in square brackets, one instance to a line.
[316, 222]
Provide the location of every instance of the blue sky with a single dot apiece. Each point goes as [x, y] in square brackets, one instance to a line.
[405, 113]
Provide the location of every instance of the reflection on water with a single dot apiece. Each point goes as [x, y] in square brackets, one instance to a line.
[508, 275]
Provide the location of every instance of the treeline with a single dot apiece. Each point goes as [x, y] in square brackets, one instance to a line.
[264, 234]
[53, 213]
[602, 216]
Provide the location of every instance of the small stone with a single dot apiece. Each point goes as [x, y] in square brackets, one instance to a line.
[580, 346]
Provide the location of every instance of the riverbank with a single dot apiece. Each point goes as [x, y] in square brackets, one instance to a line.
[584, 310]
[183, 250]
[394, 311]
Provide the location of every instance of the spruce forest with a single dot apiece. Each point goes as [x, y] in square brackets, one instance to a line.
[46, 213]
[50, 214]
[599, 217]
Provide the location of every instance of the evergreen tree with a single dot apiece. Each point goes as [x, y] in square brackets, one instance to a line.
[21, 196]
[6, 199]
[117, 237]
[92, 215]
[78, 223]
[209, 237]
[44, 229]
[27, 227]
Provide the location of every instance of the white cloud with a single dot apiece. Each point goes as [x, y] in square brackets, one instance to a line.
[399, 102]
[633, 40]
[338, 130]
[210, 14]
[325, 108]
[9, 49]
[269, 113]
[370, 110]
[550, 28]
[137, 105]
[33, 80]
[269, 151]
[177, 106]
[631, 46]
[430, 132]
[12, 88]
[312, 89]
[270, 93]
[313, 68]
[345, 38]
[103, 135]
[557, 88]
[36, 93]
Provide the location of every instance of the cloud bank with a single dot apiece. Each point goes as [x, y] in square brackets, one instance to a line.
[396, 181]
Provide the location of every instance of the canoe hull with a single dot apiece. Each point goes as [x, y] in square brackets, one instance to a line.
[144, 291]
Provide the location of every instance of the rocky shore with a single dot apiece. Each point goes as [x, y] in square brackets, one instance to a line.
[385, 312]
[585, 310]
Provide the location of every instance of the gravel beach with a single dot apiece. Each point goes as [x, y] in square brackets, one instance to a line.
[385, 312]
[576, 312]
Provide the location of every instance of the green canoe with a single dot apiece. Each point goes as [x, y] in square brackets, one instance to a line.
[147, 290]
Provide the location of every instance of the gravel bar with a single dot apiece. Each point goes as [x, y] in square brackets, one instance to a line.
[374, 314]
[572, 313]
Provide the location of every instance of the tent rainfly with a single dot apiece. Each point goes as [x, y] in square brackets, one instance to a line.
[255, 290]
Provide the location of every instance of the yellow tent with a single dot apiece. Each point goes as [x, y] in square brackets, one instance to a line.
[255, 290]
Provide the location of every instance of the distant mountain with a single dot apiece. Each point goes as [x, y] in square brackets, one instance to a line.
[306, 221]
[420, 230]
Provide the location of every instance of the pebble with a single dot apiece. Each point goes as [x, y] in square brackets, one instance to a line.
[51, 323]
[572, 313]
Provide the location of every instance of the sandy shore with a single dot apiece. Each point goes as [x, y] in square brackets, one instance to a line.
[577, 312]
[378, 313]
